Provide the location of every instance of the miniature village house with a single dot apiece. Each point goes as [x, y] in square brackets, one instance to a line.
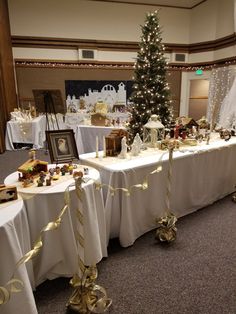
[186, 123]
[32, 167]
[7, 193]
[113, 141]
[98, 118]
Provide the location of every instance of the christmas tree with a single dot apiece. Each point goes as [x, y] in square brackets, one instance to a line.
[151, 94]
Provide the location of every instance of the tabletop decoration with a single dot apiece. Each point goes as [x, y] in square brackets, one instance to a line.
[7, 193]
[166, 231]
[113, 141]
[87, 297]
[153, 130]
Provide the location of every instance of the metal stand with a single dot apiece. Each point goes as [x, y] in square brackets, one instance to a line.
[51, 117]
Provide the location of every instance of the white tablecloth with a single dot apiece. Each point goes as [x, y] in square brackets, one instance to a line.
[85, 136]
[30, 132]
[201, 175]
[59, 255]
[14, 243]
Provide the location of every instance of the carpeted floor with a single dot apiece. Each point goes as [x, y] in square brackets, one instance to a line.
[195, 275]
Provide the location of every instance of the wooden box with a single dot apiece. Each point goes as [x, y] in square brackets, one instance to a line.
[7, 193]
[98, 119]
[34, 167]
[113, 141]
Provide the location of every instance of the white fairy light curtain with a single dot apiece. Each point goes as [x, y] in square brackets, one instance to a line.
[221, 80]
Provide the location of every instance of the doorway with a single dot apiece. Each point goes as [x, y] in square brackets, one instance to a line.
[198, 98]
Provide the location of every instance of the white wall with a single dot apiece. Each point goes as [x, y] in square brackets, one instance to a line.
[211, 20]
[85, 19]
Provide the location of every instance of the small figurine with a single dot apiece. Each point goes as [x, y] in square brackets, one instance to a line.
[40, 183]
[86, 171]
[63, 170]
[124, 147]
[48, 180]
[70, 168]
[134, 148]
[58, 170]
[51, 172]
[139, 142]
[32, 154]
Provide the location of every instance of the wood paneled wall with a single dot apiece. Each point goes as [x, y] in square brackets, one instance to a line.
[49, 78]
[8, 99]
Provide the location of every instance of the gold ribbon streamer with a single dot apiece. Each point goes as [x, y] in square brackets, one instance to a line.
[87, 297]
[142, 186]
[15, 285]
[167, 230]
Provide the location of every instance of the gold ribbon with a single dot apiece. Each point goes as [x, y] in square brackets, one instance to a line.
[88, 297]
[15, 285]
[167, 230]
[142, 186]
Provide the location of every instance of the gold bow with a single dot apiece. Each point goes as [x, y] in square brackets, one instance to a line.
[88, 297]
[166, 232]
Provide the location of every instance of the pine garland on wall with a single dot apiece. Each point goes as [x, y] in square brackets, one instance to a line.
[151, 93]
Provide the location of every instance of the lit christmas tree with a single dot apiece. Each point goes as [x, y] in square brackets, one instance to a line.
[151, 94]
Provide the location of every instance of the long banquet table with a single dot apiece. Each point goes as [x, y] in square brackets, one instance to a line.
[201, 175]
[85, 136]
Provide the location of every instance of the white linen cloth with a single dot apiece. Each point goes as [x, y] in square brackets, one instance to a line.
[85, 136]
[28, 132]
[14, 243]
[59, 255]
[201, 175]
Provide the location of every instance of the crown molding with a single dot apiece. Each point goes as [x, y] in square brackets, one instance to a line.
[147, 3]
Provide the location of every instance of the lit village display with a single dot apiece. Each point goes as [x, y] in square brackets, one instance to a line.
[107, 107]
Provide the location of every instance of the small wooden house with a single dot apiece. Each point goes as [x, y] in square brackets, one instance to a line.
[32, 167]
[186, 122]
[7, 193]
[98, 119]
[113, 141]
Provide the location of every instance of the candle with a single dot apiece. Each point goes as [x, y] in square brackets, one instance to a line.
[96, 146]
[104, 146]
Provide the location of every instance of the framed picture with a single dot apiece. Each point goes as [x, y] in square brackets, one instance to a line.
[62, 146]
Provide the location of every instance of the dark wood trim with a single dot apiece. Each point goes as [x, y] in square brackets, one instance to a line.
[8, 98]
[150, 4]
[117, 65]
[71, 43]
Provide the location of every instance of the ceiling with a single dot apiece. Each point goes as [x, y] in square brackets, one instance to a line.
[188, 4]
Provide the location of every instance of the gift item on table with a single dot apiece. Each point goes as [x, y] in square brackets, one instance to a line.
[153, 130]
[124, 148]
[113, 141]
[7, 193]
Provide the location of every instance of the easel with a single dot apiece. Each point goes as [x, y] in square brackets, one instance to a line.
[50, 115]
[50, 111]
